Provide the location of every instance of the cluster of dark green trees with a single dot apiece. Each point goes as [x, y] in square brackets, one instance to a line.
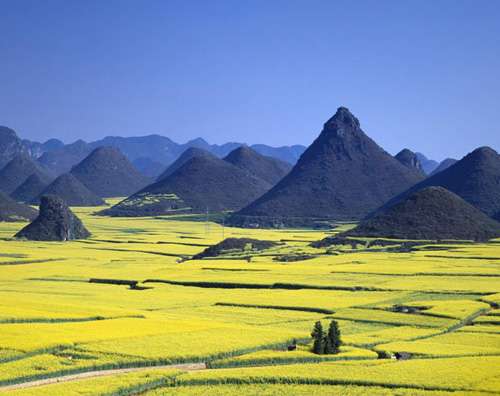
[326, 343]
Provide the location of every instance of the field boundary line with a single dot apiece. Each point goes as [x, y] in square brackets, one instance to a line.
[99, 373]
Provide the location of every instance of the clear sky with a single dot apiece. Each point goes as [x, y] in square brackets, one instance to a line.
[418, 74]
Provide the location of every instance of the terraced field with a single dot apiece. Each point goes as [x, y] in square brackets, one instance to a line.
[236, 313]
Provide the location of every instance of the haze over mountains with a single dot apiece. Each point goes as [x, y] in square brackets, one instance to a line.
[151, 154]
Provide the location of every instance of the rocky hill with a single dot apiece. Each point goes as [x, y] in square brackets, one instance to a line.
[55, 222]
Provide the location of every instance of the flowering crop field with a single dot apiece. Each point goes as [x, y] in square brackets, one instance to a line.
[436, 305]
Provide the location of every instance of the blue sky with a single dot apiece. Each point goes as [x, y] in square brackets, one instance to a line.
[418, 74]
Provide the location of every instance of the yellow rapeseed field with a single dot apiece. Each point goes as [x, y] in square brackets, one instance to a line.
[438, 304]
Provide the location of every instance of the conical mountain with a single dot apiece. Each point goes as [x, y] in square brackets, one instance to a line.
[31, 188]
[475, 178]
[343, 175]
[271, 170]
[186, 155]
[17, 171]
[201, 183]
[55, 222]
[11, 210]
[108, 173]
[430, 213]
[71, 190]
[445, 164]
[409, 159]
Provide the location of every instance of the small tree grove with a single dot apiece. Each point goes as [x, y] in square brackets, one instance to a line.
[328, 343]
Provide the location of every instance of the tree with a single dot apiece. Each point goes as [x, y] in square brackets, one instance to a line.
[319, 339]
[333, 341]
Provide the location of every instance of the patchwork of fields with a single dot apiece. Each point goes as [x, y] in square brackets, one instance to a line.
[237, 313]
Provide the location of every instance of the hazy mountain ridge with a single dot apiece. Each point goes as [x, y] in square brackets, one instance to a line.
[151, 153]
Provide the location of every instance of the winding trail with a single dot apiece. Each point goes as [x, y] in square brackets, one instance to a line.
[99, 373]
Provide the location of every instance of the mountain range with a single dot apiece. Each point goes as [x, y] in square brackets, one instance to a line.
[151, 154]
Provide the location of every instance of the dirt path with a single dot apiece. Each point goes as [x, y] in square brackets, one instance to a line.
[99, 373]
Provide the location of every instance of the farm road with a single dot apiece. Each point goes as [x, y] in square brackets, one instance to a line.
[99, 373]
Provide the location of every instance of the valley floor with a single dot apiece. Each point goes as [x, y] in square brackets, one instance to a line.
[237, 313]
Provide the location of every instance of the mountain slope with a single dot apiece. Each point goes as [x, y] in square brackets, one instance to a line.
[62, 159]
[445, 164]
[199, 184]
[108, 173]
[148, 167]
[430, 213]
[31, 188]
[475, 178]
[428, 165]
[343, 175]
[409, 159]
[17, 171]
[11, 210]
[289, 154]
[10, 145]
[183, 158]
[71, 190]
[266, 168]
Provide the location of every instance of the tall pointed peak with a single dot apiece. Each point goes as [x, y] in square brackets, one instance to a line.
[342, 118]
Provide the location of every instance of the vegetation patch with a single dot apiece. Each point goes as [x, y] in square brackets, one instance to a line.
[282, 307]
[132, 284]
[235, 245]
